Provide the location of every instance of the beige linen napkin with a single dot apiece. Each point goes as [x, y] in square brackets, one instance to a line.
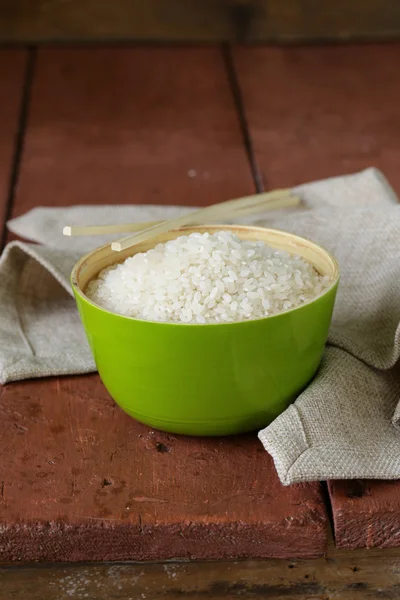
[344, 424]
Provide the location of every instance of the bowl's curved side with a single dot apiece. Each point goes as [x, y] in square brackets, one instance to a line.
[206, 379]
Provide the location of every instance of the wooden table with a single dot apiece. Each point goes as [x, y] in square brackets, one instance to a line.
[82, 481]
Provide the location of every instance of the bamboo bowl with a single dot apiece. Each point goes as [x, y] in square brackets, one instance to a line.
[212, 379]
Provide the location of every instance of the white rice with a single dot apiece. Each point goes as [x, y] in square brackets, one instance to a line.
[204, 278]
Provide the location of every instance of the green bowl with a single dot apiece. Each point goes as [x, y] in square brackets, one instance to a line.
[212, 379]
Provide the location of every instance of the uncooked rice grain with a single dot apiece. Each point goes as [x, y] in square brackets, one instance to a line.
[207, 278]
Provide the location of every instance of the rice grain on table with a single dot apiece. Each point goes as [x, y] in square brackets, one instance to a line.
[207, 278]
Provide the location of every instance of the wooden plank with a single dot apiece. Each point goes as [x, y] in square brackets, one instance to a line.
[12, 70]
[82, 481]
[310, 21]
[342, 575]
[135, 125]
[327, 112]
[366, 514]
[314, 113]
[36, 21]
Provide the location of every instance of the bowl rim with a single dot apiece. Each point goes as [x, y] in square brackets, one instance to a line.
[77, 289]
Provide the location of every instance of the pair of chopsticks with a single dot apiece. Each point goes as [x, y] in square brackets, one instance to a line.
[231, 209]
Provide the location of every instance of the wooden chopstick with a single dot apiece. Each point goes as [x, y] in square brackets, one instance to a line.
[282, 202]
[71, 230]
[240, 207]
[216, 211]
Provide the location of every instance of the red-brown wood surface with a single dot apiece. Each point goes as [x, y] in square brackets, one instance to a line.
[315, 112]
[138, 125]
[82, 481]
[366, 514]
[12, 69]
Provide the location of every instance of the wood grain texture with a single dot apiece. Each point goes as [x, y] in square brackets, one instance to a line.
[315, 113]
[83, 481]
[341, 575]
[319, 113]
[310, 21]
[12, 70]
[139, 125]
[366, 514]
[33, 21]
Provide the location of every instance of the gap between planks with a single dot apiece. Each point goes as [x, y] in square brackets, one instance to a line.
[19, 140]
